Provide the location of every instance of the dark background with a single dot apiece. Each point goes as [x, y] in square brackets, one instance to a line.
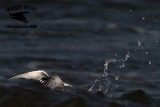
[73, 39]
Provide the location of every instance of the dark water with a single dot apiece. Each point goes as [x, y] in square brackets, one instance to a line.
[73, 40]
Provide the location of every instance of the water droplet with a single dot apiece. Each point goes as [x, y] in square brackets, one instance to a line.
[90, 89]
[116, 77]
[130, 10]
[150, 63]
[148, 26]
[106, 65]
[122, 66]
[139, 43]
[143, 18]
[127, 56]
[146, 53]
[100, 88]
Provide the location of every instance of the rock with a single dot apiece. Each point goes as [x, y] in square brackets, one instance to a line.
[115, 104]
[138, 96]
[73, 102]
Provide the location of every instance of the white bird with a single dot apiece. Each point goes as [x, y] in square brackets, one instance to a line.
[48, 81]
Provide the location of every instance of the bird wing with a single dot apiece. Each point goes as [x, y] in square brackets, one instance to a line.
[36, 75]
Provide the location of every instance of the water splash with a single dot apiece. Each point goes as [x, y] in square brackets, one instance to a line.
[140, 44]
[125, 59]
[122, 66]
[105, 81]
[107, 63]
[122, 61]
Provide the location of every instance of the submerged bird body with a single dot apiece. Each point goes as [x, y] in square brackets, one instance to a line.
[53, 82]
[48, 81]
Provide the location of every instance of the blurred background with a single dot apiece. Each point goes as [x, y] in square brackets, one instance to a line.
[73, 39]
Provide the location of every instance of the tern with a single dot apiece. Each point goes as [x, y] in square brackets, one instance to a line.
[48, 81]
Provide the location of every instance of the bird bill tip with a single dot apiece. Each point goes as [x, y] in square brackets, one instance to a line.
[66, 84]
